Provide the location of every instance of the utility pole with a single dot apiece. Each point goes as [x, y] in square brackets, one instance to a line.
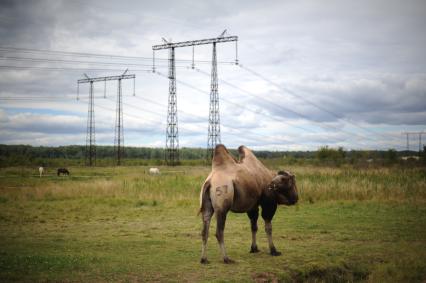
[172, 138]
[90, 154]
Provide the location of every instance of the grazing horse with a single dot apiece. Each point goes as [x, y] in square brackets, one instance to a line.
[154, 171]
[63, 171]
[242, 186]
[40, 170]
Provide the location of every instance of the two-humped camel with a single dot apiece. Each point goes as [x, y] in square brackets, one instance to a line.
[242, 186]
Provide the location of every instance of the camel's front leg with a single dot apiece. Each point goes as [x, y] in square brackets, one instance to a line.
[268, 230]
[253, 215]
[268, 211]
[220, 227]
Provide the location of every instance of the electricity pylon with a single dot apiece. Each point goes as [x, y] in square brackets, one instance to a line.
[90, 154]
[172, 137]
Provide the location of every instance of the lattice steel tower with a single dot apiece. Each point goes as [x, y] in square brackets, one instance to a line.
[172, 139]
[90, 153]
[119, 136]
[172, 132]
[214, 115]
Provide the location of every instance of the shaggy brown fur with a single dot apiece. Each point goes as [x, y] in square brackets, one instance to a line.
[241, 186]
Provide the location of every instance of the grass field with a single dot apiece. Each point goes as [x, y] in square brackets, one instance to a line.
[122, 225]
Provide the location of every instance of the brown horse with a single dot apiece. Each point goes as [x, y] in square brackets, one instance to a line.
[63, 171]
[242, 186]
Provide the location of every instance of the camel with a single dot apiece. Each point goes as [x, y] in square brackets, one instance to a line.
[242, 186]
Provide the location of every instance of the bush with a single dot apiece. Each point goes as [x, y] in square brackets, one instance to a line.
[335, 156]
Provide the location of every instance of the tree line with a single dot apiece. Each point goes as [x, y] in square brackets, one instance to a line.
[17, 155]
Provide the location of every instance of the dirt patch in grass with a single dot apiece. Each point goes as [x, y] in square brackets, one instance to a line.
[264, 277]
[334, 273]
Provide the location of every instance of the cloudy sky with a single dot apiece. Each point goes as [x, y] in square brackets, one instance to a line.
[311, 73]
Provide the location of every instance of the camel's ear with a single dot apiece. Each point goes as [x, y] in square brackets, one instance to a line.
[275, 182]
[287, 174]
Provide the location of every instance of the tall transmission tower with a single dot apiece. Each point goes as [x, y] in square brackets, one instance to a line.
[414, 133]
[90, 154]
[172, 137]
[119, 137]
[172, 131]
[213, 137]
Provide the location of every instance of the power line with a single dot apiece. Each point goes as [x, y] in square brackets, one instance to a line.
[98, 55]
[13, 58]
[275, 105]
[69, 69]
[120, 57]
[119, 135]
[408, 134]
[196, 116]
[241, 106]
[111, 56]
[172, 132]
[247, 134]
[294, 94]
[193, 115]
[186, 84]
[236, 104]
[50, 60]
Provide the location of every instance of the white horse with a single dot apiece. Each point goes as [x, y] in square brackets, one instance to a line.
[154, 171]
[40, 170]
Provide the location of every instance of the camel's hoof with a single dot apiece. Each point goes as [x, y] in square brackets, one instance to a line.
[274, 252]
[227, 260]
[204, 261]
[254, 249]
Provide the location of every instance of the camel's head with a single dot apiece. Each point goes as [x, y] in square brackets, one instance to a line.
[284, 186]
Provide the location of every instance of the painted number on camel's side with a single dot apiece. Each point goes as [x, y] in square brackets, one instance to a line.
[221, 190]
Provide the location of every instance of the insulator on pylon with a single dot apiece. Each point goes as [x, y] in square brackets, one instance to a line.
[134, 87]
[78, 91]
[236, 52]
[193, 64]
[153, 61]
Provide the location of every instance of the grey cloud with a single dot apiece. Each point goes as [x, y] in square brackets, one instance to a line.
[362, 60]
[355, 98]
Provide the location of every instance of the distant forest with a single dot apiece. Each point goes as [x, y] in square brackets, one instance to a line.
[17, 155]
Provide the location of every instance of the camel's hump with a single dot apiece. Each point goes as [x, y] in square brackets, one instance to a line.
[222, 156]
[244, 152]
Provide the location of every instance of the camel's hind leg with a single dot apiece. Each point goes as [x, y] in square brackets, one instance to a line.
[221, 219]
[206, 215]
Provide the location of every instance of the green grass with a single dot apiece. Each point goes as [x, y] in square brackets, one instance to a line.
[121, 224]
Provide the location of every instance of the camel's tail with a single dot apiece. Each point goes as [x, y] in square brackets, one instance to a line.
[204, 196]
